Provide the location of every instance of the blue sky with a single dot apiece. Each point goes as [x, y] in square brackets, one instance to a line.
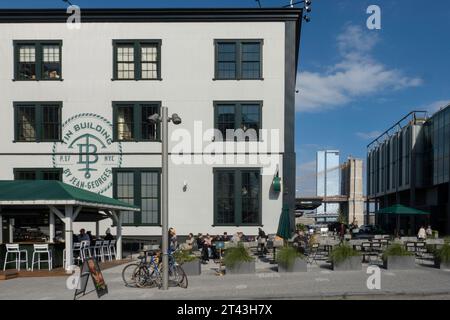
[353, 82]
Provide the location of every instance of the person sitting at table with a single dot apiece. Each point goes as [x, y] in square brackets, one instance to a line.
[199, 241]
[206, 247]
[226, 237]
[91, 237]
[108, 236]
[83, 236]
[189, 243]
[236, 237]
[262, 240]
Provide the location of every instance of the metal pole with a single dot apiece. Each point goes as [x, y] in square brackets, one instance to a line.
[164, 196]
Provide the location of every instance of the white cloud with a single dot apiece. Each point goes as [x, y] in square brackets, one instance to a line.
[356, 75]
[369, 135]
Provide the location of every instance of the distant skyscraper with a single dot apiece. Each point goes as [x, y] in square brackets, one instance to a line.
[328, 180]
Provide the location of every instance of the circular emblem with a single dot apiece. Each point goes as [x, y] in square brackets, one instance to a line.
[87, 152]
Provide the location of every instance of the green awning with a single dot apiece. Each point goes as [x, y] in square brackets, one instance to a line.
[399, 209]
[284, 225]
[48, 192]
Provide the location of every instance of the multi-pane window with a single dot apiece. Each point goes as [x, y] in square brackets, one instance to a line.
[38, 60]
[36, 122]
[230, 116]
[37, 174]
[124, 185]
[137, 59]
[238, 59]
[131, 121]
[237, 197]
[150, 197]
[140, 187]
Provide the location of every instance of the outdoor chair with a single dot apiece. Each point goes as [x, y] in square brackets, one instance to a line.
[14, 249]
[40, 249]
[97, 250]
[315, 253]
[85, 250]
[105, 250]
[112, 249]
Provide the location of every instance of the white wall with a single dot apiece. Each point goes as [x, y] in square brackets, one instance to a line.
[187, 88]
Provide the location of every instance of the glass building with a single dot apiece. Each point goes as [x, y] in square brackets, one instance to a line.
[410, 165]
[328, 181]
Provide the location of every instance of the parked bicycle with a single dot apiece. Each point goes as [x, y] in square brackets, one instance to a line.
[150, 273]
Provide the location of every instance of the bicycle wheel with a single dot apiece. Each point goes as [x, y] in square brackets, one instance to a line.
[129, 274]
[177, 276]
[143, 277]
[183, 280]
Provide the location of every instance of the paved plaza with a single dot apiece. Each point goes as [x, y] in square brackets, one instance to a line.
[318, 283]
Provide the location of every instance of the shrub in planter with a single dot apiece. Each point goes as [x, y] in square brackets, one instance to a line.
[345, 258]
[190, 263]
[442, 257]
[290, 260]
[396, 257]
[237, 260]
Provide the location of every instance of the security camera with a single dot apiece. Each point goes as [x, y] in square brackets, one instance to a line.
[308, 2]
[307, 19]
[176, 119]
[155, 118]
[308, 9]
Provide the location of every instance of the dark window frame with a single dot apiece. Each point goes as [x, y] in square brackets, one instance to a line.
[38, 107]
[137, 193]
[237, 197]
[137, 120]
[38, 44]
[238, 43]
[38, 171]
[137, 45]
[238, 114]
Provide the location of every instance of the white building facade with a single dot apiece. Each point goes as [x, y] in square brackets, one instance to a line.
[74, 105]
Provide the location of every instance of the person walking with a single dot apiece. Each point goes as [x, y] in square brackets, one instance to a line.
[422, 234]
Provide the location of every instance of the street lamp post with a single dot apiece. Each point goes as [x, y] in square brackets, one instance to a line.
[164, 120]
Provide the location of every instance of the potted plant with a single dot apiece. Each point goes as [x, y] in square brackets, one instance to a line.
[290, 260]
[396, 257]
[190, 263]
[237, 260]
[345, 258]
[442, 257]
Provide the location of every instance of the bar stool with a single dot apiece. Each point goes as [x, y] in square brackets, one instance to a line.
[97, 249]
[42, 249]
[112, 249]
[85, 250]
[105, 250]
[14, 249]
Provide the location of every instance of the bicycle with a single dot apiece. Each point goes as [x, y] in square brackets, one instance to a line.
[142, 274]
[148, 274]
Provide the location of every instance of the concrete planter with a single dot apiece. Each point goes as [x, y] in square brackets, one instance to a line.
[349, 264]
[300, 265]
[242, 268]
[192, 268]
[400, 262]
[441, 265]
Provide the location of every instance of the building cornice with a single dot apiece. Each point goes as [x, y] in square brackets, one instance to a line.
[152, 15]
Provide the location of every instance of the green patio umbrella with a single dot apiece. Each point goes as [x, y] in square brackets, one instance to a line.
[284, 226]
[400, 209]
